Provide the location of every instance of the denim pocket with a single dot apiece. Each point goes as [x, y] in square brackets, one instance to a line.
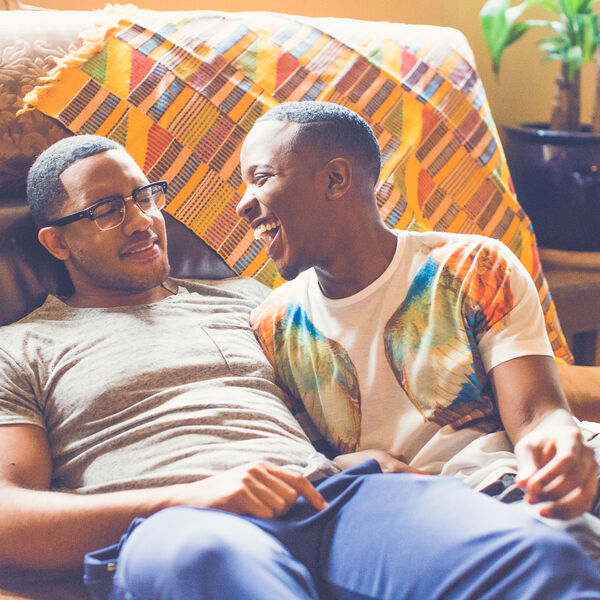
[100, 565]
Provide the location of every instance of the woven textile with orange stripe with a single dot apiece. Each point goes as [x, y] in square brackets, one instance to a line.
[181, 93]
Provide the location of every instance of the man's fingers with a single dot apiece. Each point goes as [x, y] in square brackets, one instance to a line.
[304, 487]
[563, 483]
[276, 496]
[278, 488]
[559, 469]
[573, 504]
[563, 473]
[558, 487]
[247, 502]
[529, 458]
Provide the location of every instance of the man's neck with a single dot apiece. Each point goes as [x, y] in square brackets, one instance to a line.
[361, 261]
[113, 298]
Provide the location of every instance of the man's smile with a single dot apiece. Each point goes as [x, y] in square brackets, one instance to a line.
[267, 230]
[143, 250]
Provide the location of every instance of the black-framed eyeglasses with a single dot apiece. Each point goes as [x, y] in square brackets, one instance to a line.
[109, 213]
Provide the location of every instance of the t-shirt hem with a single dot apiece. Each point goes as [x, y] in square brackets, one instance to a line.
[499, 355]
[7, 420]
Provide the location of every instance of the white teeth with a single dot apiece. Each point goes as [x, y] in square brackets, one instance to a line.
[263, 231]
[141, 249]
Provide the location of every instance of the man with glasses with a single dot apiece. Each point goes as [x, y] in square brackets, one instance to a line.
[143, 403]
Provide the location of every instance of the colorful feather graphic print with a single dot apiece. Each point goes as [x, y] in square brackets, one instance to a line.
[431, 339]
[313, 369]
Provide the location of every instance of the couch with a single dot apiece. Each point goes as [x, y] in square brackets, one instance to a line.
[31, 43]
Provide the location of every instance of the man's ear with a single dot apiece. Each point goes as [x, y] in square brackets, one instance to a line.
[52, 239]
[339, 177]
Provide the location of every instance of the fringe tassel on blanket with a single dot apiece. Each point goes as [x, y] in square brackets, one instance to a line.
[93, 40]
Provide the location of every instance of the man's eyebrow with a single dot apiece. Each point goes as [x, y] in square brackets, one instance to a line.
[251, 170]
[260, 166]
[113, 196]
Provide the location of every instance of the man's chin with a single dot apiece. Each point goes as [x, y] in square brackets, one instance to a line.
[288, 272]
[162, 276]
[144, 281]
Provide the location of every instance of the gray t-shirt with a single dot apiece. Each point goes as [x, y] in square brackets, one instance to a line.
[151, 395]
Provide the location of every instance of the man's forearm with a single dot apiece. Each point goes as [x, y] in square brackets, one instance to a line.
[45, 529]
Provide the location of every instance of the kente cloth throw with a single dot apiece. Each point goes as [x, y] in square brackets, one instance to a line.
[181, 90]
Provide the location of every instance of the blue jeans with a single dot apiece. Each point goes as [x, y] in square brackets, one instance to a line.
[383, 537]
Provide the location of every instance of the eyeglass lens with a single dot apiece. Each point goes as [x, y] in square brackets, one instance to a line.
[111, 213]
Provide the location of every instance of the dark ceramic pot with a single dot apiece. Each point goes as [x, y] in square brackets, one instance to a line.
[557, 179]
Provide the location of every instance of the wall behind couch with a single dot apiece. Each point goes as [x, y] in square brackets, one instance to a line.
[523, 93]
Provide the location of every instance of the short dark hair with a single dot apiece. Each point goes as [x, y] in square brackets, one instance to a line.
[332, 129]
[45, 191]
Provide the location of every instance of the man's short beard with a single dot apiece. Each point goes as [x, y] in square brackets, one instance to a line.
[126, 282]
[131, 284]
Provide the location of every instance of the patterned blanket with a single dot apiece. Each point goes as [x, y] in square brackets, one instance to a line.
[181, 91]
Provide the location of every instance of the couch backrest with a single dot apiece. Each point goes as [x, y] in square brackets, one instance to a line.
[181, 90]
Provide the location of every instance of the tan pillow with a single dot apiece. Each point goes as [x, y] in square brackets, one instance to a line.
[30, 43]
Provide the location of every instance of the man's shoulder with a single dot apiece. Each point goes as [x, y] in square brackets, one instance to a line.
[469, 248]
[42, 321]
[50, 309]
[436, 239]
[278, 300]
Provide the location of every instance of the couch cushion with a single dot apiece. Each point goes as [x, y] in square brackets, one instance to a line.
[28, 273]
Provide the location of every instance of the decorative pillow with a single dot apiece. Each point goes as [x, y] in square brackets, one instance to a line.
[182, 91]
[27, 53]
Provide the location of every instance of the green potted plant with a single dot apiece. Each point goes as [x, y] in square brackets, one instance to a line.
[555, 166]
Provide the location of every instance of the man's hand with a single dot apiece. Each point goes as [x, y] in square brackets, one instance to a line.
[557, 469]
[257, 490]
[387, 462]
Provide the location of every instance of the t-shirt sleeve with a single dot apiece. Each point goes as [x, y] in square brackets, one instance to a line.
[521, 331]
[18, 405]
[263, 320]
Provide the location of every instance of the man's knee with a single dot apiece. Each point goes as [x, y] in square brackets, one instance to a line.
[188, 542]
[186, 553]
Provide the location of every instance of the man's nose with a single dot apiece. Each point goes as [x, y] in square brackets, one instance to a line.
[245, 205]
[135, 218]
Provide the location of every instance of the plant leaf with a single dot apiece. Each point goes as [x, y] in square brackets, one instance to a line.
[547, 4]
[572, 58]
[499, 30]
[552, 45]
[588, 36]
[578, 34]
[517, 30]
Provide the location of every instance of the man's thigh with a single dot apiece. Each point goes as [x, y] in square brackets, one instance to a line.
[584, 528]
[389, 537]
[186, 553]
